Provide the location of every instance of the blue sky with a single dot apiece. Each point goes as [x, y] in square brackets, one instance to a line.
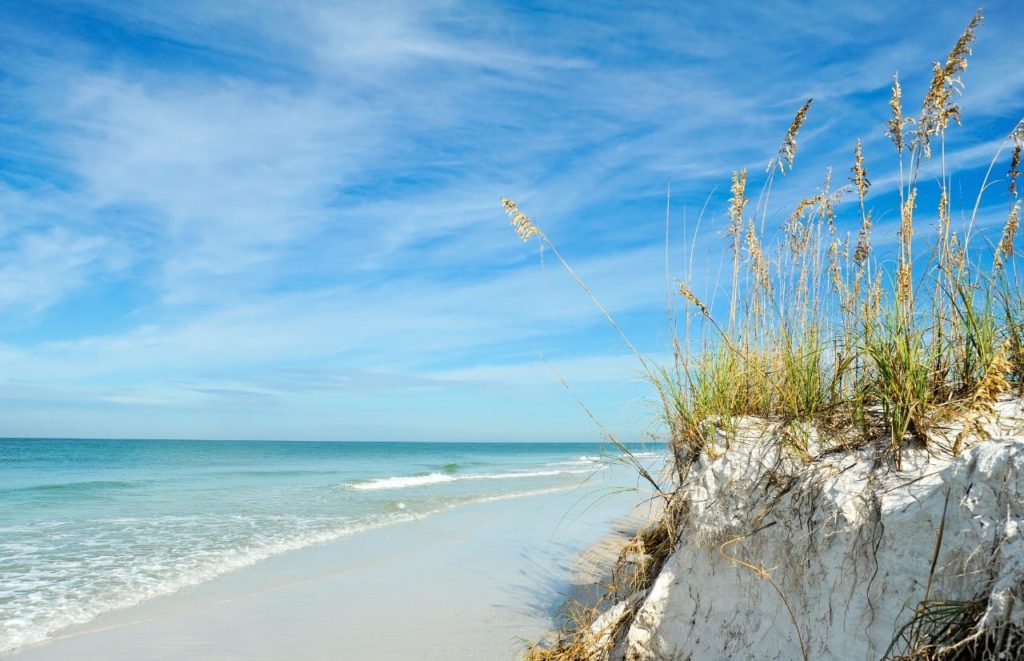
[281, 220]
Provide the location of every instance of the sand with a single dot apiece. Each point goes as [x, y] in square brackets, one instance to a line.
[848, 543]
[468, 583]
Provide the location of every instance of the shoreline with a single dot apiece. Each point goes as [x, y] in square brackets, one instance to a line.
[472, 582]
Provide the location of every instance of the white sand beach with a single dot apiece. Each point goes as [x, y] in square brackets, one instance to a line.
[469, 583]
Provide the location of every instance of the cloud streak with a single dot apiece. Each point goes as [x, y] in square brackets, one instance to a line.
[214, 210]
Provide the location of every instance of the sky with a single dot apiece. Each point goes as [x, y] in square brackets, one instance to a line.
[282, 220]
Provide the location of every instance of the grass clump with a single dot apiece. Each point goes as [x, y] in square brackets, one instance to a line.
[822, 328]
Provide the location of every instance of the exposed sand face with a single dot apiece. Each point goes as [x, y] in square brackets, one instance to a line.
[470, 583]
[849, 544]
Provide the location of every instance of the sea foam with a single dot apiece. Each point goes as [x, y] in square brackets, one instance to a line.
[401, 482]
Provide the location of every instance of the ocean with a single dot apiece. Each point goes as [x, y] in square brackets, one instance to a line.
[88, 526]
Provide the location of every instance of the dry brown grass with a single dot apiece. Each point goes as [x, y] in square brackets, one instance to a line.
[586, 637]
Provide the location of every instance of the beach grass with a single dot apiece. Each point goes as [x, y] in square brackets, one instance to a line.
[820, 329]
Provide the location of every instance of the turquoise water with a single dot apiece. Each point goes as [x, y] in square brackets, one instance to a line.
[87, 526]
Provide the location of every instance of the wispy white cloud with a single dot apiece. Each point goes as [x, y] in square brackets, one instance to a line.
[293, 206]
[42, 268]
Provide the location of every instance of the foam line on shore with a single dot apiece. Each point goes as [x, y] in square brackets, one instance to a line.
[404, 481]
[232, 561]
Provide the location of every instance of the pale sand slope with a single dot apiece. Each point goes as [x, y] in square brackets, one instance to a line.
[852, 548]
[467, 583]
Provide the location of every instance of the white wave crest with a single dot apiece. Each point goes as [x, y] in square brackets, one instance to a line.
[400, 482]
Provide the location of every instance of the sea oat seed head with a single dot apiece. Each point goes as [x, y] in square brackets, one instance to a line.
[860, 175]
[1005, 247]
[1017, 134]
[896, 126]
[994, 382]
[739, 201]
[907, 217]
[828, 201]
[788, 149]
[958, 258]
[758, 263]
[521, 222]
[863, 248]
[835, 266]
[875, 296]
[685, 292]
[987, 392]
[736, 207]
[903, 284]
[1017, 137]
[943, 211]
[797, 233]
[1015, 169]
[937, 110]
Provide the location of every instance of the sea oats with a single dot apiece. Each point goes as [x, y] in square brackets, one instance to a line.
[957, 255]
[903, 284]
[1014, 172]
[736, 207]
[937, 109]
[835, 266]
[685, 292]
[896, 126]
[992, 384]
[1005, 248]
[798, 234]
[787, 152]
[524, 227]
[903, 278]
[758, 263]
[944, 219]
[828, 200]
[739, 199]
[876, 295]
[831, 337]
[863, 248]
[735, 231]
[859, 174]
[1017, 138]
[907, 218]
[1017, 134]
[803, 206]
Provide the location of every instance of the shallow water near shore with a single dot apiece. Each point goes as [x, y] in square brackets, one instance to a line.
[90, 526]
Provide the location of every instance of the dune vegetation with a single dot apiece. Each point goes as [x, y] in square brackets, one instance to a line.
[835, 343]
